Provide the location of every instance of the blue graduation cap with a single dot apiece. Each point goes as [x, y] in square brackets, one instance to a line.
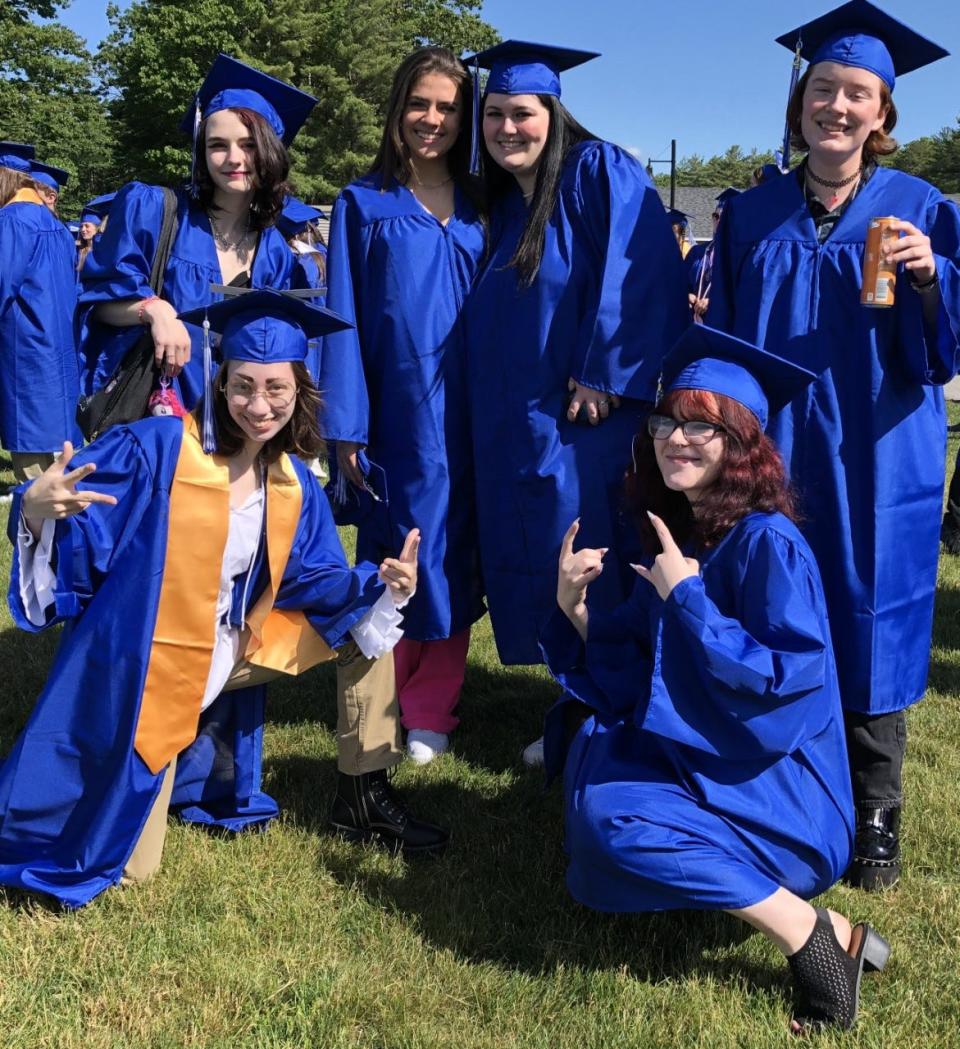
[707, 359]
[518, 67]
[230, 84]
[724, 197]
[266, 326]
[678, 217]
[16, 155]
[296, 216]
[263, 326]
[55, 178]
[771, 171]
[862, 35]
[96, 210]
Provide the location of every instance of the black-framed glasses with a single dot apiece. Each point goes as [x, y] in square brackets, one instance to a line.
[696, 431]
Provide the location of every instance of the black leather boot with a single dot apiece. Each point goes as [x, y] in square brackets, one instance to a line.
[367, 808]
[876, 850]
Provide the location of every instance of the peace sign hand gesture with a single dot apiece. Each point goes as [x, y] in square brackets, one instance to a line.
[669, 567]
[576, 572]
[53, 495]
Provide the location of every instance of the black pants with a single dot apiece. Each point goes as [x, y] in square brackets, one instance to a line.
[953, 494]
[876, 745]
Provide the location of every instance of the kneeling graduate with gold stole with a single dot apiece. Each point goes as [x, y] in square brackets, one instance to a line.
[186, 578]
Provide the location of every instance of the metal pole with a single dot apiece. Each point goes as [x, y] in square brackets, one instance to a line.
[673, 173]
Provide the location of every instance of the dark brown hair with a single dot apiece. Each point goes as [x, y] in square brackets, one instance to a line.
[879, 143]
[11, 182]
[312, 235]
[301, 435]
[564, 133]
[393, 157]
[272, 165]
[752, 477]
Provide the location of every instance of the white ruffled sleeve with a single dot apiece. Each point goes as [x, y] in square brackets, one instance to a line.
[37, 576]
[379, 630]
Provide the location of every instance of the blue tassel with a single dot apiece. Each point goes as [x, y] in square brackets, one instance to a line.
[475, 137]
[209, 426]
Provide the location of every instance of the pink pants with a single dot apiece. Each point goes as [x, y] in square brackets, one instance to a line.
[429, 679]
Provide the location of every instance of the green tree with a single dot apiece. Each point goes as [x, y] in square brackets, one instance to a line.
[49, 97]
[342, 51]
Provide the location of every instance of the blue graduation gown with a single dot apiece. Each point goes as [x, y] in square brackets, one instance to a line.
[865, 441]
[397, 384]
[608, 302]
[74, 793]
[694, 263]
[39, 374]
[713, 769]
[119, 268]
[308, 274]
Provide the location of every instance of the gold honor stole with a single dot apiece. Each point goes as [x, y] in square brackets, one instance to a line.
[182, 647]
[26, 196]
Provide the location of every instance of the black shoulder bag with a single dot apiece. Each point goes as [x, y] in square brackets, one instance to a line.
[125, 396]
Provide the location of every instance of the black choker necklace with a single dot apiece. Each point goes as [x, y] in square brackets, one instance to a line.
[830, 183]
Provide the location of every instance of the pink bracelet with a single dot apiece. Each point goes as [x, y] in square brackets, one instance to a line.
[144, 303]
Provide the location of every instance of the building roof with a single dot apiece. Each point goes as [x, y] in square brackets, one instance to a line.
[698, 202]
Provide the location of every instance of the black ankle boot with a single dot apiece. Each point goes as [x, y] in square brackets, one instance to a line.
[367, 808]
[827, 978]
[950, 532]
[876, 850]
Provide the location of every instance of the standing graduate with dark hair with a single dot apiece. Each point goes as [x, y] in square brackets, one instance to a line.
[242, 121]
[865, 443]
[405, 241]
[581, 293]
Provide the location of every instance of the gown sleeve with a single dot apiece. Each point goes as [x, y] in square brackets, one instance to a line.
[120, 263]
[612, 669]
[317, 580]
[13, 260]
[753, 685]
[933, 352]
[86, 546]
[639, 306]
[346, 415]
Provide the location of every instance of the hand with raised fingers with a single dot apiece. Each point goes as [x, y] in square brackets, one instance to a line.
[53, 495]
[576, 571]
[400, 573]
[913, 251]
[670, 566]
[595, 403]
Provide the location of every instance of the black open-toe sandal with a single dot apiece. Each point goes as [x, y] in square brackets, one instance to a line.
[827, 978]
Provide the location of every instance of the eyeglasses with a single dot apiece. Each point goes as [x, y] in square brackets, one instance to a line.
[278, 397]
[696, 431]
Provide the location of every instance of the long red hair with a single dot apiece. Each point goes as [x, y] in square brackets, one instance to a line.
[752, 476]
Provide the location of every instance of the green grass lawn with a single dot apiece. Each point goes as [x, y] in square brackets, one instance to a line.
[291, 938]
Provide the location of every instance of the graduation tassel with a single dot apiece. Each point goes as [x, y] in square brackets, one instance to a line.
[209, 435]
[193, 147]
[794, 77]
[475, 138]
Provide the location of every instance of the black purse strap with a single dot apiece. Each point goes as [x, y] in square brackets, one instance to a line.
[168, 233]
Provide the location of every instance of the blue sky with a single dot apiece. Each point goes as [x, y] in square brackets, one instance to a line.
[705, 73]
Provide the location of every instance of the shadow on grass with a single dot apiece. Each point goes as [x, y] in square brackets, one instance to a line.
[498, 893]
[27, 659]
[944, 671]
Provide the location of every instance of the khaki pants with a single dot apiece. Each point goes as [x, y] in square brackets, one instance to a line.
[27, 466]
[368, 738]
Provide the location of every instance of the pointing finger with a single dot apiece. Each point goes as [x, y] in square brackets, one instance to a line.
[663, 533]
[566, 545]
[410, 544]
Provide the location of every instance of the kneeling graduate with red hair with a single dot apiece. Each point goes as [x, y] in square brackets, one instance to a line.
[709, 771]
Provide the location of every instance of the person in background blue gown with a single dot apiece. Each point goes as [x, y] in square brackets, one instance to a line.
[580, 295]
[405, 241]
[709, 771]
[297, 222]
[865, 443]
[39, 374]
[155, 699]
[225, 235]
[699, 261]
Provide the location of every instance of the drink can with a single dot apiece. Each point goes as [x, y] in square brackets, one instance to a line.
[879, 277]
